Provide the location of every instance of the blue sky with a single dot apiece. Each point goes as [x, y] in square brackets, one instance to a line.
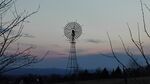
[96, 17]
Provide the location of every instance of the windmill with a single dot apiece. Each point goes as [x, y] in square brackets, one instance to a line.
[72, 31]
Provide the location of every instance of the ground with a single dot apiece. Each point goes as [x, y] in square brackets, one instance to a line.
[140, 80]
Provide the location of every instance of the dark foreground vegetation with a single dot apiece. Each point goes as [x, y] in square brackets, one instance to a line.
[117, 76]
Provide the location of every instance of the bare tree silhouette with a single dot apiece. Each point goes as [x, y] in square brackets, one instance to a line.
[10, 32]
[137, 43]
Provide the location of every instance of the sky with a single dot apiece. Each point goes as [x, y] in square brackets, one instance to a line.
[96, 18]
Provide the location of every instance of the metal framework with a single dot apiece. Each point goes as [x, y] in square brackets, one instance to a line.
[72, 65]
[72, 32]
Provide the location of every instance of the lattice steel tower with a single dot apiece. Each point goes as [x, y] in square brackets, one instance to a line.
[72, 31]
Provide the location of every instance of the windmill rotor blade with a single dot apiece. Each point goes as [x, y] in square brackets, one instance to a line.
[70, 27]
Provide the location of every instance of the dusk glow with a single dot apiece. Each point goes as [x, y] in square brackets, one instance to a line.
[97, 17]
[74, 42]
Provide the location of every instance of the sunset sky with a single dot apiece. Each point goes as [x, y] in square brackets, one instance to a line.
[96, 18]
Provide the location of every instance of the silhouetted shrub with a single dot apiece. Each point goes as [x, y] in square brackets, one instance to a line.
[117, 73]
[104, 73]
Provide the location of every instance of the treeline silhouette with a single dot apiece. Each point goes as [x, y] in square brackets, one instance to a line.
[98, 74]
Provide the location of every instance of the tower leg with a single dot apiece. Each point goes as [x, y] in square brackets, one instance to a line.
[72, 65]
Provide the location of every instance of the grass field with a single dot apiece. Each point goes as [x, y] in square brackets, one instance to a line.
[141, 80]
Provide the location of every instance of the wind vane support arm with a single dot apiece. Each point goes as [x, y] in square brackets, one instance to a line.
[73, 35]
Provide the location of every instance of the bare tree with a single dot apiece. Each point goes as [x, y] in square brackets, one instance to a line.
[137, 43]
[113, 52]
[130, 54]
[10, 32]
[125, 70]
